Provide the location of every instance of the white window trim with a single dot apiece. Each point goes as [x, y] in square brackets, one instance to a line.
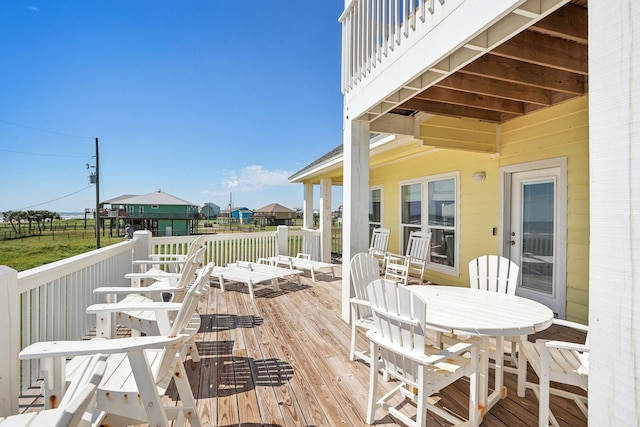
[424, 218]
[378, 187]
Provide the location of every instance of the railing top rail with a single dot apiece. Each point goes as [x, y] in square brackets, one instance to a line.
[34, 277]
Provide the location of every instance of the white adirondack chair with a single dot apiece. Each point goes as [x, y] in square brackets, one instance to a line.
[162, 283]
[494, 273]
[75, 408]
[167, 279]
[138, 370]
[560, 362]
[399, 348]
[413, 263]
[172, 263]
[148, 316]
[379, 245]
[363, 269]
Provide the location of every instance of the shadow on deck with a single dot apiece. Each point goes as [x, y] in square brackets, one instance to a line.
[282, 359]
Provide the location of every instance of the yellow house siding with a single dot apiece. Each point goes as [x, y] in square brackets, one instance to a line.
[554, 132]
[479, 208]
[560, 131]
[468, 135]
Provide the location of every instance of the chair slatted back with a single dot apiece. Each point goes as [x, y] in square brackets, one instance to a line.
[363, 270]
[493, 273]
[81, 392]
[418, 245]
[399, 319]
[379, 240]
[190, 267]
[189, 306]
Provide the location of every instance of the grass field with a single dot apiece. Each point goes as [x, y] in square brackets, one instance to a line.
[64, 242]
[69, 238]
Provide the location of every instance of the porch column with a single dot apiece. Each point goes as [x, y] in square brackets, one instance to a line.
[325, 219]
[614, 249]
[307, 209]
[355, 226]
[142, 249]
[10, 339]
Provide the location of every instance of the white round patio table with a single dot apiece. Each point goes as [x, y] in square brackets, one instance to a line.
[466, 311]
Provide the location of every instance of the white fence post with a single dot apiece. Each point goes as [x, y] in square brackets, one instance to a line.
[10, 339]
[283, 240]
[142, 248]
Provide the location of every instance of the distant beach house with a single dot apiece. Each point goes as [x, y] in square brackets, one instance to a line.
[210, 210]
[274, 214]
[159, 212]
[235, 216]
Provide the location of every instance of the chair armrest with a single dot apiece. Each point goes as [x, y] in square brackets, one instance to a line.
[125, 290]
[359, 302]
[563, 345]
[50, 349]
[152, 275]
[573, 325]
[395, 258]
[157, 262]
[440, 357]
[141, 306]
[176, 257]
[303, 256]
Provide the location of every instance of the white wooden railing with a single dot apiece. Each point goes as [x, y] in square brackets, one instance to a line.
[373, 29]
[49, 302]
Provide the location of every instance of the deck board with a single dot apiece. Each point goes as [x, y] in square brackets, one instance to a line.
[282, 359]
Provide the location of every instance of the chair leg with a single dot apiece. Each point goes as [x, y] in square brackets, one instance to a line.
[374, 366]
[421, 399]
[473, 387]
[354, 332]
[189, 410]
[522, 370]
[543, 399]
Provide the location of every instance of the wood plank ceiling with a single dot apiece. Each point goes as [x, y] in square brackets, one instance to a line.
[542, 66]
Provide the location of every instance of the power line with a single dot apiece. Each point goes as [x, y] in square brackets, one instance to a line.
[45, 130]
[43, 154]
[55, 200]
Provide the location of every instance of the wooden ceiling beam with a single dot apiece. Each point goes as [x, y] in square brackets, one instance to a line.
[485, 102]
[545, 50]
[569, 22]
[446, 109]
[497, 88]
[511, 70]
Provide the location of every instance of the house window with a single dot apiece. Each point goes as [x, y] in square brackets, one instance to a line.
[438, 214]
[410, 211]
[141, 210]
[375, 208]
[155, 207]
[130, 208]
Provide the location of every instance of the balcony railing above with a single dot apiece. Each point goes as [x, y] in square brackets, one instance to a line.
[372, 29]
[392, 50]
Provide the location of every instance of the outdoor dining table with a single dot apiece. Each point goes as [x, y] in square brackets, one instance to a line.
[466, 311]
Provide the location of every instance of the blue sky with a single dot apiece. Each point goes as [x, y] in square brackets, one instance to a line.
[198, 98]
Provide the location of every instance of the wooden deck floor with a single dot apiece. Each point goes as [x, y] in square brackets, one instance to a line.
[282, 360]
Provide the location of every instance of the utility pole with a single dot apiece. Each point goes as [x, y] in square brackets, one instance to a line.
[97, 197]
[230, 204]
